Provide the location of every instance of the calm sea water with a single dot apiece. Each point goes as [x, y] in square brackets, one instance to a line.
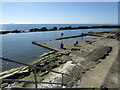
[19, 46]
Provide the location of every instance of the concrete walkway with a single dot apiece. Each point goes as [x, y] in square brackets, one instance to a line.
[95, 77]
[46, 46]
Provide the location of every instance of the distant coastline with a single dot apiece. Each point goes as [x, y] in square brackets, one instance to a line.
[61, 28]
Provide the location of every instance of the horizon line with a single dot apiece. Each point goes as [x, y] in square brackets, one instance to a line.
[58, 23]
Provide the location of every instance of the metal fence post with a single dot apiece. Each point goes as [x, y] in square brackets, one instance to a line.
[62, 80]
[35, 76]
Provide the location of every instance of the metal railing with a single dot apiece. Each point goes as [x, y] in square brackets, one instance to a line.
[35, 76]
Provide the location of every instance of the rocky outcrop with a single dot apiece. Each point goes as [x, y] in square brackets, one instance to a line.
[96, 54]
[114, 35]
[45, 64]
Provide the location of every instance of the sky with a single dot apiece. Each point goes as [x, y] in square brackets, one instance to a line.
[59, 12]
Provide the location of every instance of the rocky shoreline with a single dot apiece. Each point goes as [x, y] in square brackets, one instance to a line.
[62, 28]
[75, 60]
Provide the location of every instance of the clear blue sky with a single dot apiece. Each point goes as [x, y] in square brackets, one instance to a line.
[60, 12]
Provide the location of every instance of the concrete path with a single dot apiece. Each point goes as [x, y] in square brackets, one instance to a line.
[96, 76]
[46, 46]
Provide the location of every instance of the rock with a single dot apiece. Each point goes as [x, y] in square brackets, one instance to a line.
[99, 53]
[87, 41]
[45, 54]
[75, 75]
[111, 36]
[65, 58]
[100, 38]
[117, 35]
[77, 59]
[4, 85]
[24, 68]
[9, 75]
[23, 71]
[39, 79]
[17, 84]
[17, 75]
[75, 49]
[66, 52]
[48, 68]
[42, 64]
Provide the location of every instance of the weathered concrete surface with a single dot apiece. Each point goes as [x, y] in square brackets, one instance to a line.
[96, 77]
[98, 74]
[112, 76]
[99, 53]
[72, 36]
[46, 46]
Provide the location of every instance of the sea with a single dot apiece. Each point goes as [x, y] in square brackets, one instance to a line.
[19, 47]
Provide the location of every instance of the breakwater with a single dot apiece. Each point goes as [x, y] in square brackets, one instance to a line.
[61, 28]
[46, 46]
[98, 34]
[72, 36]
